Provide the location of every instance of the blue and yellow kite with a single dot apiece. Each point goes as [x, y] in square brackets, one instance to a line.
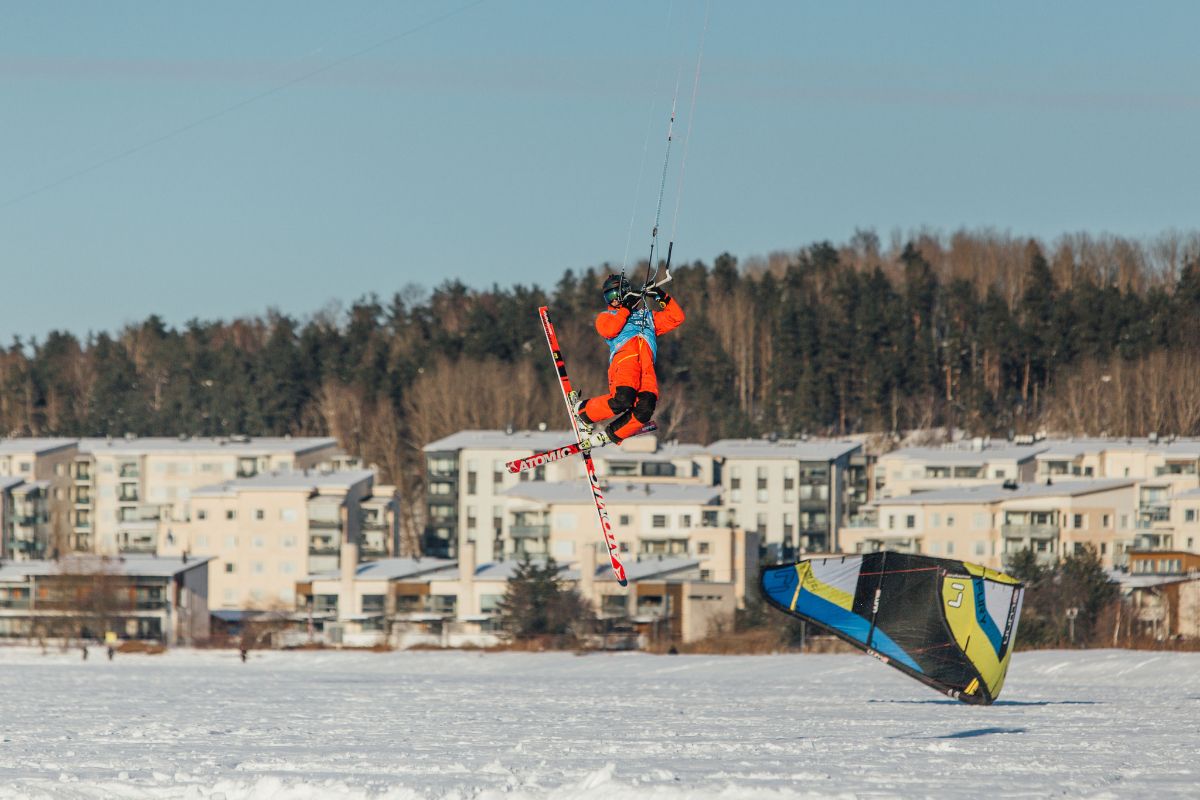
[949, 624]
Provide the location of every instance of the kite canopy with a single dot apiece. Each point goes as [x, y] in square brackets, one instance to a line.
[947, 623]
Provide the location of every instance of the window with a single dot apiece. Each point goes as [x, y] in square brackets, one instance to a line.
[658, 521]
[1189, 515]
[999, 474]
[949, 548]
[760, 523]
[978, 522]
[935, 520]
[287, 567]
[201, 514]
[287, 514]
[702, 548]
[789, 525]
[891, 522]
[202, 541]
[260, 514]
[230, 514]
[498, 470]
[257, 568]
[230, 567]
[259, 541]
[289, 541]
[685, 520]
[625, 519]
[735, 478]
[1077, 521]
[472, 522]
[980, 548]
[910, 521]
[471, 479]
[949, 520]
[60, 469]
[231, 541]
[705, 574]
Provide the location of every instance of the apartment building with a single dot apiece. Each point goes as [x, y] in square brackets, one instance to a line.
[467, 477]
[265, 532]
[794, 494]
[989, 524]
[46, 462]
[87, 597]
[452, 603]
[650, 521]
[977, 462]
[127, 493]
[25, 531]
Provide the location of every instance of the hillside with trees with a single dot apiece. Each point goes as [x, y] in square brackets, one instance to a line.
[988, 333]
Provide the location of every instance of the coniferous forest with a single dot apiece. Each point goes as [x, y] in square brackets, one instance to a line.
[985, 332]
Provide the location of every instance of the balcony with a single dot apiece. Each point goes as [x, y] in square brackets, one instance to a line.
[30, 520]
[373, 544]
[136, 542]
[81, 542]
[1033, 532]
[325, 524]
[323, 546]
[1154, 541]
[529, 531]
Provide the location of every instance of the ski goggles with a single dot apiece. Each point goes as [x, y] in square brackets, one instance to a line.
[612, 296]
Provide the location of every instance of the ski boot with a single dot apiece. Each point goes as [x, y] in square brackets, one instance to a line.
[576, 403]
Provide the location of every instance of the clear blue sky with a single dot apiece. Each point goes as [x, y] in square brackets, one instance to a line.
[173, 158]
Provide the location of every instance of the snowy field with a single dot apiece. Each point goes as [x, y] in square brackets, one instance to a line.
[467, 725]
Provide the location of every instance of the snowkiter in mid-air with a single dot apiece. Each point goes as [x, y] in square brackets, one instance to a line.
[632, 347]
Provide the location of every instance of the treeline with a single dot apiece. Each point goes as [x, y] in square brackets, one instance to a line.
[981, 331]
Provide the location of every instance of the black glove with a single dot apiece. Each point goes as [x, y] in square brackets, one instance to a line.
[659, 296]
[631, 300]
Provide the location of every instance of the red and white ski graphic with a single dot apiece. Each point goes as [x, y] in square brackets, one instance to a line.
[614, 551]
[568, 450]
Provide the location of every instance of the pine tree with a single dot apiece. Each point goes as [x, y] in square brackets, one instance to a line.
[537, 603]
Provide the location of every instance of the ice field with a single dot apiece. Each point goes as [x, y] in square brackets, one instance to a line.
[201, 724]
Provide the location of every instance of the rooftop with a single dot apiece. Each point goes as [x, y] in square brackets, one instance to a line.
[502, 440]
[996, 492]
[133, 565]
[33, 444]
[617, 491]
[968, 456]
[7, 482]
[1071, 448]
[166, 445]
[304, 480]
[391, 569]
[790, 449]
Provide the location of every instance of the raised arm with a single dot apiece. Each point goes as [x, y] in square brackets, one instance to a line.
[610, 322]
[669, 315]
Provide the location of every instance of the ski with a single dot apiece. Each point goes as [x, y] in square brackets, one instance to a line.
[568, 450]
[614, 551]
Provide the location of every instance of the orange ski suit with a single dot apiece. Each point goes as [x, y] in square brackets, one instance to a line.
[632, 384]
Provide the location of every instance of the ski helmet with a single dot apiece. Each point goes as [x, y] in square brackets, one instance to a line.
[615, 287]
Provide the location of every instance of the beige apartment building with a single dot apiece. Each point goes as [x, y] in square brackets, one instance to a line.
[988, 524]
[438, 602]
[794, 494]
[129, 493]
[467, 478]
[976, 462]
[266, 532]
[651, 521]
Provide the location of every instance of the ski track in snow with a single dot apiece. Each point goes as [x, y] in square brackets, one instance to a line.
[413, 726]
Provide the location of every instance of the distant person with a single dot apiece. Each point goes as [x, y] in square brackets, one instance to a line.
[111, 652]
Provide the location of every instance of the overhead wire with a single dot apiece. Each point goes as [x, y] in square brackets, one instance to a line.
[238, 105]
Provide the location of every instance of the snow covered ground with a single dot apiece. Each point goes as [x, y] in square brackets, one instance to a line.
[468, 725]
